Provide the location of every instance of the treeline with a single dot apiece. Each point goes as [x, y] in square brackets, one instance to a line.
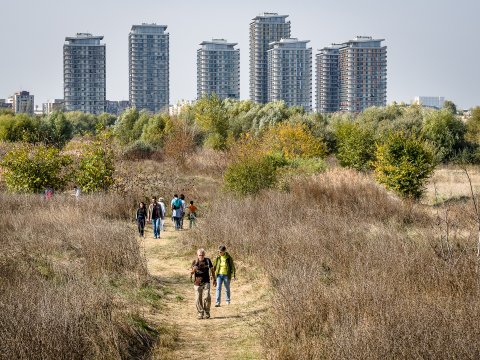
[268, 143]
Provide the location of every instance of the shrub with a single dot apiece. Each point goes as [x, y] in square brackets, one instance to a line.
[251, 175]
[355, 145]
[404, 164]
[294, 141]
[29, 168]
[446, 133]
[473, 126]
[97, 166]
[137, 150]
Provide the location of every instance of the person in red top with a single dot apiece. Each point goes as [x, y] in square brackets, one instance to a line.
[192, 214]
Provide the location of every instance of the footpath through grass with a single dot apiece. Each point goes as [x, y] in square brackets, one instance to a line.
[231, 332]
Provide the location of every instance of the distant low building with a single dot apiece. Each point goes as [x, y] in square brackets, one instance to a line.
[117, 107]
[52, 106]
[435, 102]
[4, 104]
[23, 103]
[175, 110]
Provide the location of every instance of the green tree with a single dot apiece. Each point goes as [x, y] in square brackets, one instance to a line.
[446, 133]
[473, 126]
[450, 106]
[21, 127]
[403, 164]
[29, 168]
[60, 129]
[154, 130]
[355, 145]
[96, 168]
[125, 124]
[211, 116]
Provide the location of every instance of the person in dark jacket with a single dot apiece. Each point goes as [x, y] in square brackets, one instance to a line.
[202, 272]
[141, 217]
[224, 272]
[155, 214]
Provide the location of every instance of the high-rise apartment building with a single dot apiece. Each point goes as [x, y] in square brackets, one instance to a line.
[218, 69]
[148, 47]
[264, 29]
[327, 79]
[84, 73]
[352, 76]
[23, 103]
[290, 73]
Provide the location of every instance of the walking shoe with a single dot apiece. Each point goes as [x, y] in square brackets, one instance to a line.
[228, 302]
[200, 316]
[217, 305]
[207, 315]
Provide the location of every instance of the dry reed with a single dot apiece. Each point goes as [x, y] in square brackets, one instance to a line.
[357, 273]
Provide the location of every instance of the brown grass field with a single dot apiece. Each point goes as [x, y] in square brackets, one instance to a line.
[334, 268]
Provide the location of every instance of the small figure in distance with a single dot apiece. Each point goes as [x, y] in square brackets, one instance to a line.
[48, 193]
[161, 202]
[192, 214]
[141, 217]
[76, 192]
[154, 215]
[177, 209]
[202, 271]
[182, 208]
[224, 271]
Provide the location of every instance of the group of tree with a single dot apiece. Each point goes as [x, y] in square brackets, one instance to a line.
[395, 142]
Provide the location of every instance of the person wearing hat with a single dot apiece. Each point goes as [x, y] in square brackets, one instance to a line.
[224, 272]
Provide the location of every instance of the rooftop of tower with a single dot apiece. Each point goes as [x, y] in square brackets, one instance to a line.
[268, 15]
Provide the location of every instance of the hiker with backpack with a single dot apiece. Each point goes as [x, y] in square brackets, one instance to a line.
[177, 211]
[224, 272]
[141, 217]
[155, 215]
[202, 271]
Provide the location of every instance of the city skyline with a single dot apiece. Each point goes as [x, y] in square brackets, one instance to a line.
[423, 51]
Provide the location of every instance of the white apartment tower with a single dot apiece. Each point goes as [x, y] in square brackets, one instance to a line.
[218, 69]
[290, 73]
[264, 29]
[149, 82]
[84, 74]
[23, 103]
[352, 76]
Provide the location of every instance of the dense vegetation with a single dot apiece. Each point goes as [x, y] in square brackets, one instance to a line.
[385, 276]
[271, 138]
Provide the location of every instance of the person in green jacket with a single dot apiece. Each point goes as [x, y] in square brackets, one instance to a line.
[224, 272]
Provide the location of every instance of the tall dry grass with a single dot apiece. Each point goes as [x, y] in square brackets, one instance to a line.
[58, 261]
[356, 272]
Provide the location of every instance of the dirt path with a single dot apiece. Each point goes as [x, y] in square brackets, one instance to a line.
[232, 331]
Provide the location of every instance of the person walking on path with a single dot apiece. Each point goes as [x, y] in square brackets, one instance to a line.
[183, 207]
[224, 272]
[161, 202]
[141, 217]
[177, 209]
[192, 214]
[155, 215]
[202, 271]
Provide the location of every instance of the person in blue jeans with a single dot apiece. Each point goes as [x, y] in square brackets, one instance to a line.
[155, 215]
[224, 272]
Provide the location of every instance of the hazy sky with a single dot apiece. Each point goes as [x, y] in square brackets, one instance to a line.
[433, 46]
